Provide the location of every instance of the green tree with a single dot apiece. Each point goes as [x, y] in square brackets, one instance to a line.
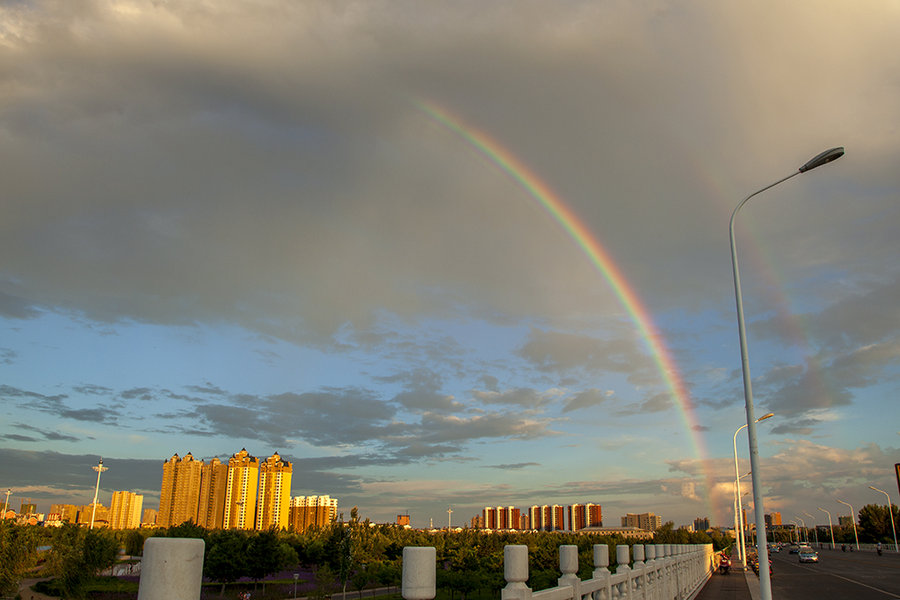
[226, 557]
[266, 554]
[78, 556]
[18, 553]
[875, 523]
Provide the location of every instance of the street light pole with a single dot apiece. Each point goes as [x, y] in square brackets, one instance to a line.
[852, 520]
[805, 531]
[99, 468]
[891, 513]
[830, 526]
[815, 529]
[765, 583]
[739, 515]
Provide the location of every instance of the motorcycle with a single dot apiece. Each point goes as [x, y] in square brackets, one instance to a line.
[724, 565]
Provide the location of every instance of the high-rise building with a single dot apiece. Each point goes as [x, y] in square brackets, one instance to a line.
[646, 521]
[179, 497]
[701, 524]
[490, 517]
[240, 491]
[66, 512]
[28, 508]
[150, 515]
[125, 510]
[557, 518]
[773, 518]
[213, 483]
[307, 512]
[534, 517]
[577, 517]
[274, 493]
[594, 515]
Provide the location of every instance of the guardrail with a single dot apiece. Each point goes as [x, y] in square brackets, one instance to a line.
[670, 571]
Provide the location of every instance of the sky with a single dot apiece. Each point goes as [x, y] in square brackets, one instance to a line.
[451, 254]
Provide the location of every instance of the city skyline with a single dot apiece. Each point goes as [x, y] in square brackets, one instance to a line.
[439, 253]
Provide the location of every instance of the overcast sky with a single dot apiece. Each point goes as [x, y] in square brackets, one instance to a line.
[285, 226]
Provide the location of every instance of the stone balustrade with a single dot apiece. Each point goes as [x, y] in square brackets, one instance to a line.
[173, 570]
[658, 572]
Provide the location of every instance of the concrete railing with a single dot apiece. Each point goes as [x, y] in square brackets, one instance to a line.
[659, 572]
[173, 570]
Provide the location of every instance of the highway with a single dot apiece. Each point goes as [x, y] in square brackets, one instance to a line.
[838, 575]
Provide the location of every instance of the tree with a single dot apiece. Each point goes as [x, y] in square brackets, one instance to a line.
[78, 556]
[875, 523]
[266, 554]
[226, 557]
[18, 553]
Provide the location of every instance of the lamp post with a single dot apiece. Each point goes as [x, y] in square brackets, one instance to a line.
[891, 513]
[765, 583]
[739, 515]
[804, 531]
[852, 520]
[830, 526]
[99, 468]
[6, 505]
[815, 528]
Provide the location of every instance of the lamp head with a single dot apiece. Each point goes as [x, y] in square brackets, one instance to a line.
[823, 159]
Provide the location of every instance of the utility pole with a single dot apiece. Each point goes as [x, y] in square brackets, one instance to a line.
[99, 468]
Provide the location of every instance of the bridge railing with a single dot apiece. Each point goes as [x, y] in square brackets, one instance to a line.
[658, 572]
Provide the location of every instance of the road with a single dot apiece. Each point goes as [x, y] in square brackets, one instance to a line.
[838, 576]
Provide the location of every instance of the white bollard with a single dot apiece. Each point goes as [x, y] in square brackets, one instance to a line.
[171, 569]
[419, 573]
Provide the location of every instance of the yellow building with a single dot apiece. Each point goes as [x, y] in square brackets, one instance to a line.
[179, 497]
[272, 506]
[309, 512]
[125, 510]
[240, 491]
[213, 483]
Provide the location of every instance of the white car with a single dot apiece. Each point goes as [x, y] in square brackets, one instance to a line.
[808, 555]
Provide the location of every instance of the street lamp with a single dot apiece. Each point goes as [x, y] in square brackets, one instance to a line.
[765, 583]
[815, 529]
[852, 520]
[804, 531]
[739, 515]
[830, 526]
[99, 468]
[6, 506]
[891, 513]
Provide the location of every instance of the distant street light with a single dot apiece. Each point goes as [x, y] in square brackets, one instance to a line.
[815, 529]
[830, 526]
[762, 551]
[739, 514]
[99, 468]
[6, 505]
[852, 520]
[805, 532]
[890, 512]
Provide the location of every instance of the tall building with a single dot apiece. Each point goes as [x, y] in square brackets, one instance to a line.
[150, 516]
[307, 512]
[577, 517]
[213, 483]
[594, 515]
[701, 524]
[125, 510]
[240, 491]
[273, 503]
[557, 518]
[490, 517]
[28, 508]
[646, 521]
[66, 512]
[534, 517]
[179, 497]
[773, 518]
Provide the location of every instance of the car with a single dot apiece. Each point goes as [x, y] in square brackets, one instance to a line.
[794, 549]
[808, 556]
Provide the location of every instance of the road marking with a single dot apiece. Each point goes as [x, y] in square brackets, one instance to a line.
[885, 592]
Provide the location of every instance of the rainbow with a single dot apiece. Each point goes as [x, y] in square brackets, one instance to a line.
[595, 252]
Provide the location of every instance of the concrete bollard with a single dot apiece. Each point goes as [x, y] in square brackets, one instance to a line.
[171, 569]
[419, 573]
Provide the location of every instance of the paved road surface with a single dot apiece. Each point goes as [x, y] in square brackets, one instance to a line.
[838, 576]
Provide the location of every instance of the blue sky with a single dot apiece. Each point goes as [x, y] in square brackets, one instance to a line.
[233, 227]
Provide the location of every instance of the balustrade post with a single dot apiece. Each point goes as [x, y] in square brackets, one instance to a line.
[623, 557]
[650, 568]
[419, 573]
[568, 566]
[601, 572]
[171, 569]
[515, 571]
